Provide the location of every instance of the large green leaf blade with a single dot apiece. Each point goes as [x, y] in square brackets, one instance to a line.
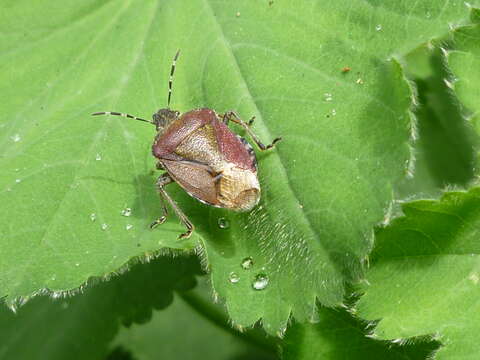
[343, 191]
[346, 138]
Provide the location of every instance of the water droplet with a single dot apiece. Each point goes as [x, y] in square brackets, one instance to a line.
[53, 278]
[260, 282]
[16, 138]
[378, 27]
[359, 81]
[77, 264]
[281, 332]
[247, 263]
[428, 15]
[18, 180]
[334, 112]
[223, 223]
[98, 157]
[327, 97]
[17, 170]
[93, 216]
[129, 226]
[233, 277]
[104, 226]
[127, 212]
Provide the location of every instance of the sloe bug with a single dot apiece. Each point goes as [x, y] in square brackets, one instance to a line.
[199, 152]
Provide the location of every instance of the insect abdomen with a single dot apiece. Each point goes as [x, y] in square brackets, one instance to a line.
[238, 189]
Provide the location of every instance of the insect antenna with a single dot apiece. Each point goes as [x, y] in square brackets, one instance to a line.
[122, 114]
[170, 80]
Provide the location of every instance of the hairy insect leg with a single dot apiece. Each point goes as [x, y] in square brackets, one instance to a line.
[231, 115]
[162, 181]
[226, 120]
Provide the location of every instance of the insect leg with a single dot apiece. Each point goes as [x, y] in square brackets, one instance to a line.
[162, 181]
[227, 119]
[231, 115]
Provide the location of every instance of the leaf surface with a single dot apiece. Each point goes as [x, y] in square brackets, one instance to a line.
[346, 138]
[425, 273]
[464, 62]
[337, 335]
[82, 326]
[186, 330]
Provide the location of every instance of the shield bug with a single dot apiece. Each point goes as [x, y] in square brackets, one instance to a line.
[200, 153]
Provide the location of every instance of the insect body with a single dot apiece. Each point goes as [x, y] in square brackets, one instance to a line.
[199, 152]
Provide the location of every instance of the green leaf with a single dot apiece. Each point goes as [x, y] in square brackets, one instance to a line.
[425, 272]
[82, 326]
[337, 335]
[324, 186]
[190, 332]
[444, 152]
[464, 62]
[341, 169]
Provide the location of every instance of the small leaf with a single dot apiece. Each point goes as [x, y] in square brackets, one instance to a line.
[425, 273]
[337, 335]
[444, 151]
[464, 61]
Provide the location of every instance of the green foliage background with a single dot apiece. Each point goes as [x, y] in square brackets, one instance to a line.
[368, 225]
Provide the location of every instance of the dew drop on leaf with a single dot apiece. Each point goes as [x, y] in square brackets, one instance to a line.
[247, 263]
[223, 223]
[98, 157]
[93, 216]
[104, 226]
[378, 27]
[15, 138]
[18, 181]
[127, 212]
[129, 226]
[327, 97]
[260, 282]
[233, 277]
